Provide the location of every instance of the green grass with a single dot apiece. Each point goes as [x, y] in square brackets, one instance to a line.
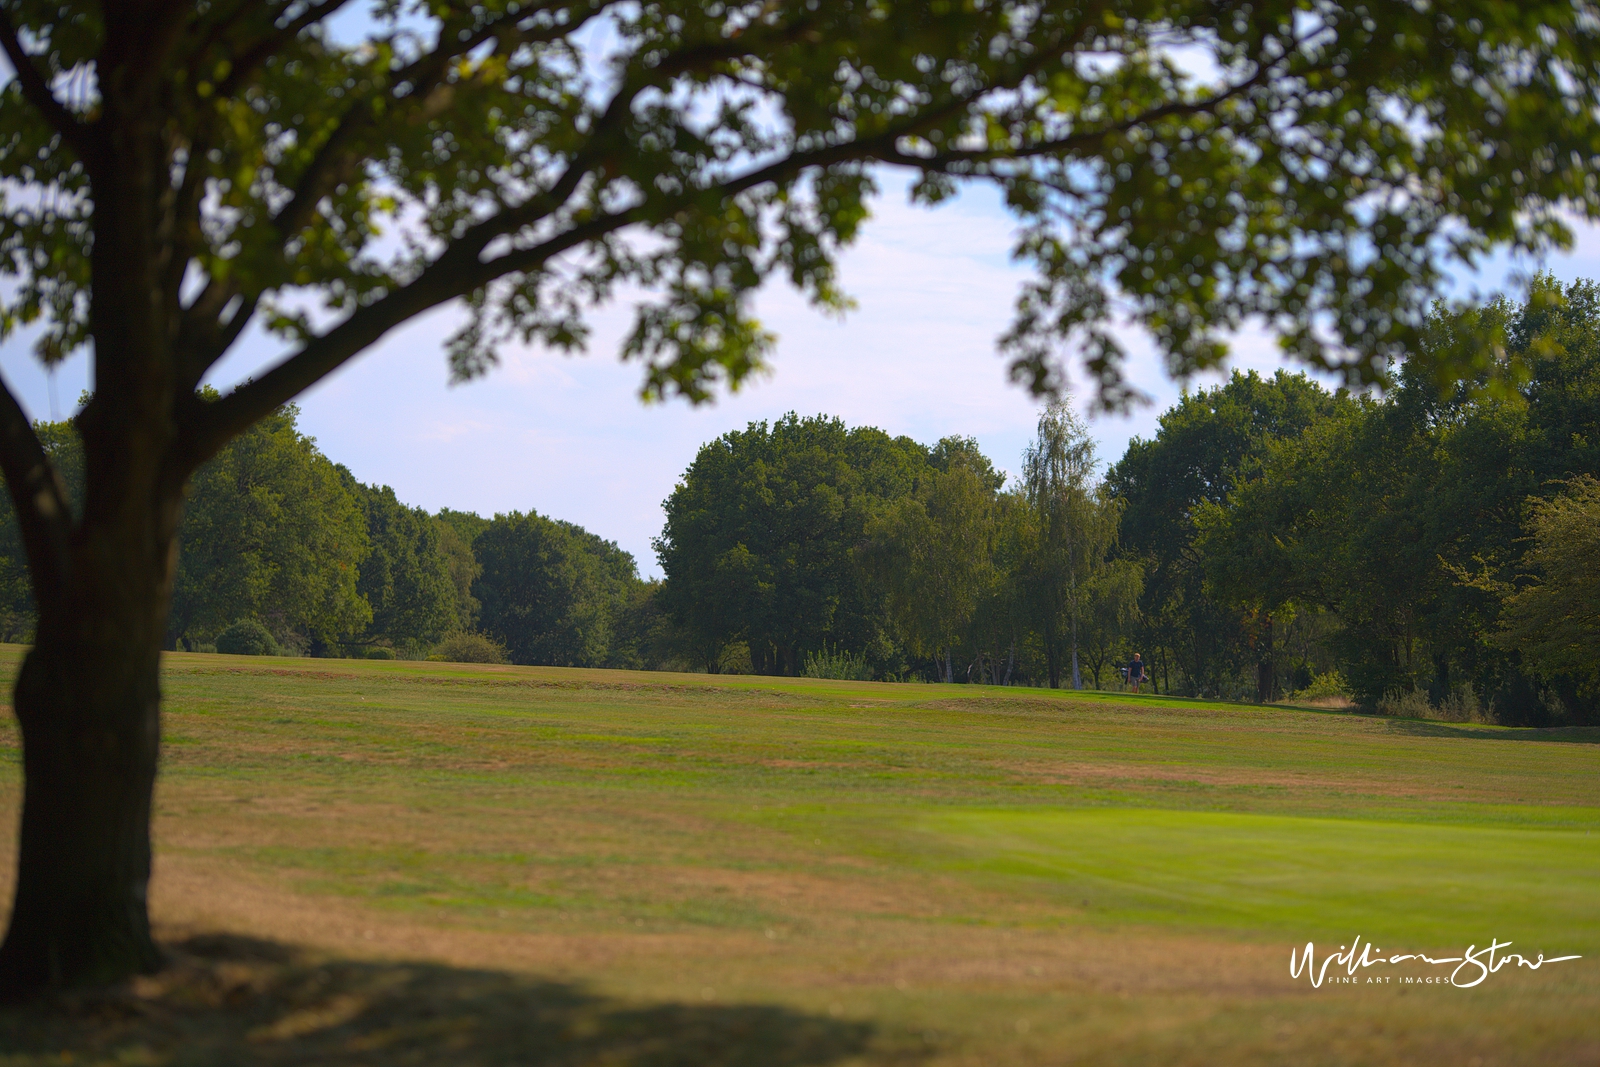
[1404, 884]
[891, 873]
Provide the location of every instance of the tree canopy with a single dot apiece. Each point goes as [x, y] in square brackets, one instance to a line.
[760, 537]
[1316, 165]
[406, 575]
[271, 532]
[552, 592]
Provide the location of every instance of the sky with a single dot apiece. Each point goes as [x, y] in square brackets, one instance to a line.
[568, 436]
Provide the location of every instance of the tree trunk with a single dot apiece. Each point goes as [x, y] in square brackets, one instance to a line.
[1011, 659]
[1266, 667]
[1077, 677]
[88, 696]
[1052, 654]
[88, 703]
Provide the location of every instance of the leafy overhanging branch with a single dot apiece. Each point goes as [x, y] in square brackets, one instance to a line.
[37, 90]
[1286, 192]
[459, 271]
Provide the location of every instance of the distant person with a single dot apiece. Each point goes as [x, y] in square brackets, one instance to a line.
[1136, 672]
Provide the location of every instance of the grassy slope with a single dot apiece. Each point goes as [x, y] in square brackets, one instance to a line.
[954, 874]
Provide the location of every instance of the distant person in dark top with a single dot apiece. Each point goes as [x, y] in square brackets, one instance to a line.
[1136, 672]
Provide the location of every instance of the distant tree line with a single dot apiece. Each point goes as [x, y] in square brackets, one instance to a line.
[1433, 548]
[1438, 547]
[282, 550]
[786, 543]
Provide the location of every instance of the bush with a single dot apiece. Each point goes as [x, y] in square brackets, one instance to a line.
[469, 648]
[1405, 704]
[379, 652]
[1328, 690]
[1461, 704]
[836, 663]
[247, 637]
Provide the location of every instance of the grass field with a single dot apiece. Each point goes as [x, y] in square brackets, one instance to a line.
[388, 862]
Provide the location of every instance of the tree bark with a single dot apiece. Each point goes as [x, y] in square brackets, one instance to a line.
[1266, 667]
[88, 696]
[88, 703]
[1052, 654]
[1077, 677]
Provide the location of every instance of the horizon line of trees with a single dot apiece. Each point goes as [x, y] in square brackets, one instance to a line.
[1430, 548]
[283, 550]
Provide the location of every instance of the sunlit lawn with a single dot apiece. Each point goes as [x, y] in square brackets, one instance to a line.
[444, 863]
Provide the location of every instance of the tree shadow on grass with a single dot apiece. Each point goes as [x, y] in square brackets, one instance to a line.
[1571, 735]
[243, 1003]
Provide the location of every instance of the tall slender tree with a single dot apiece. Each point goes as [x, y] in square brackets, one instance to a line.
[1075, 525]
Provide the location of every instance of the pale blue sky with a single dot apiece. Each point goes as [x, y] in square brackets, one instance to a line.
[568, 437]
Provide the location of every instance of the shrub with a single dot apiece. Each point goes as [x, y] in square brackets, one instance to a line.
[469, 648]
[837, 663]
[1461, 704]
[1329, 684]
[1405, 704]
[247, 637]
[1328, 690]
[379, 652]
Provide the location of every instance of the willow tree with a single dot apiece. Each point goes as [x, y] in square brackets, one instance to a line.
[179, 172]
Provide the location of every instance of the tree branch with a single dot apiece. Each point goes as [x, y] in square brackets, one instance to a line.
[452, 275]
[200, 331]
[459, 271]
[942, 161]
[245, 63]
[422, 77]
[455, 273]
[37, 91]
[43, 513]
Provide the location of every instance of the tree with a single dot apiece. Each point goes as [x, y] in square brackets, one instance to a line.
[406, 577]
[1401, 520]
[760, 537]
[270, 532]
[1003, 613]
[932, 554]
[1254, 550]
[1554, 621]
[463, 569]
[1075, 525]
[1207, 444]
[61, 445]
[1112, 610]
[178, 172]
[552, 592]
